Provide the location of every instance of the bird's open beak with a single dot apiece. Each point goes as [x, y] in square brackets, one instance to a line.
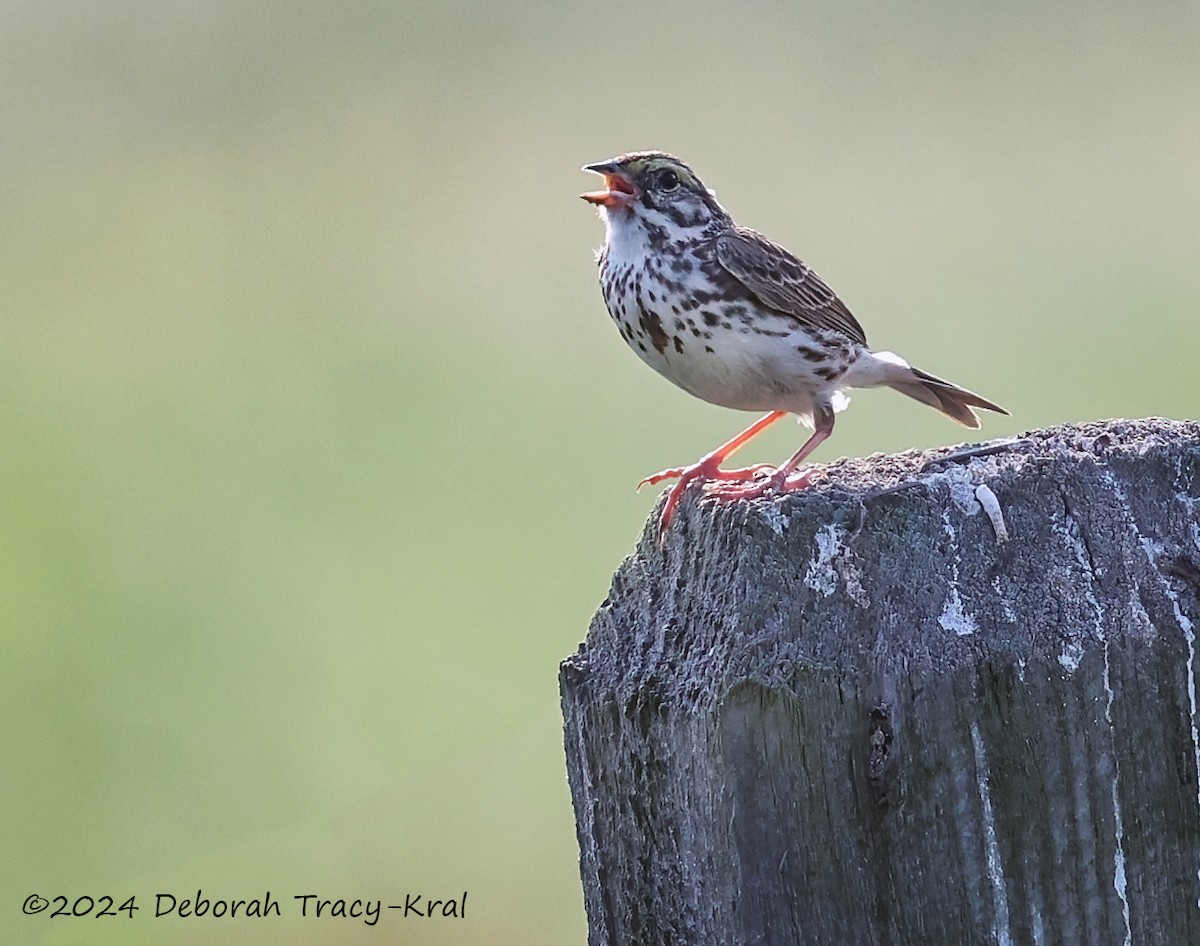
[620, 189]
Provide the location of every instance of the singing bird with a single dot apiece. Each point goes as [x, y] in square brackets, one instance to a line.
[736, 320]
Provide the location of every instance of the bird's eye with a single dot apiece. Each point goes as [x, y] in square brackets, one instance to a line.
[668, 180]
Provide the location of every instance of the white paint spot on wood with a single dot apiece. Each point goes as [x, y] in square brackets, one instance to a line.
[955, 617]
[991, 505]
[962, 490]
[995, 867]
[832, 563]
[1071, 656]
[775, 517]
[821, 576]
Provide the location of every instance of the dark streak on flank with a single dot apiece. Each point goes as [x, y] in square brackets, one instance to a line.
[653, 327]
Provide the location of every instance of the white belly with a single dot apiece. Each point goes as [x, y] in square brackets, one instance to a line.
[727, 363]
[752, 361]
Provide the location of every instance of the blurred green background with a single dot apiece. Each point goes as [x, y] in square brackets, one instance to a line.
[319, 446]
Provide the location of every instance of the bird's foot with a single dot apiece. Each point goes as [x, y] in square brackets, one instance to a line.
[708, 473]
[705, 472]
[776, 481]
[744, 483]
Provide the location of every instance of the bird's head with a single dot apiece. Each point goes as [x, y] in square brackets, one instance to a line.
[656, 188]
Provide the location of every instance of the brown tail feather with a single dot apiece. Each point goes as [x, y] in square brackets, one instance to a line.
[953, 401]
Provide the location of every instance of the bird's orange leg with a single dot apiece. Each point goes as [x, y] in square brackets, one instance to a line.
[709, 468]
[785, 477]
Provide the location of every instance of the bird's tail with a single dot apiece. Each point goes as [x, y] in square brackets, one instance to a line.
[955, 402]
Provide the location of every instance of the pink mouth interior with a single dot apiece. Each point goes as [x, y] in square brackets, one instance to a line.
[619, 185]
[621, 192]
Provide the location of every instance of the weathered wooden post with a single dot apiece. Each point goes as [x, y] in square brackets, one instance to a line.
[930, 700]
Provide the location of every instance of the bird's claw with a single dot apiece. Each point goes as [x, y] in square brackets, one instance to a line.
[655, 478]
[777, 481]
[706, 474]
[744, 483]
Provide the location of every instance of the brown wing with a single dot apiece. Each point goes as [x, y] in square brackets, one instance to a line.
[784, 283]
